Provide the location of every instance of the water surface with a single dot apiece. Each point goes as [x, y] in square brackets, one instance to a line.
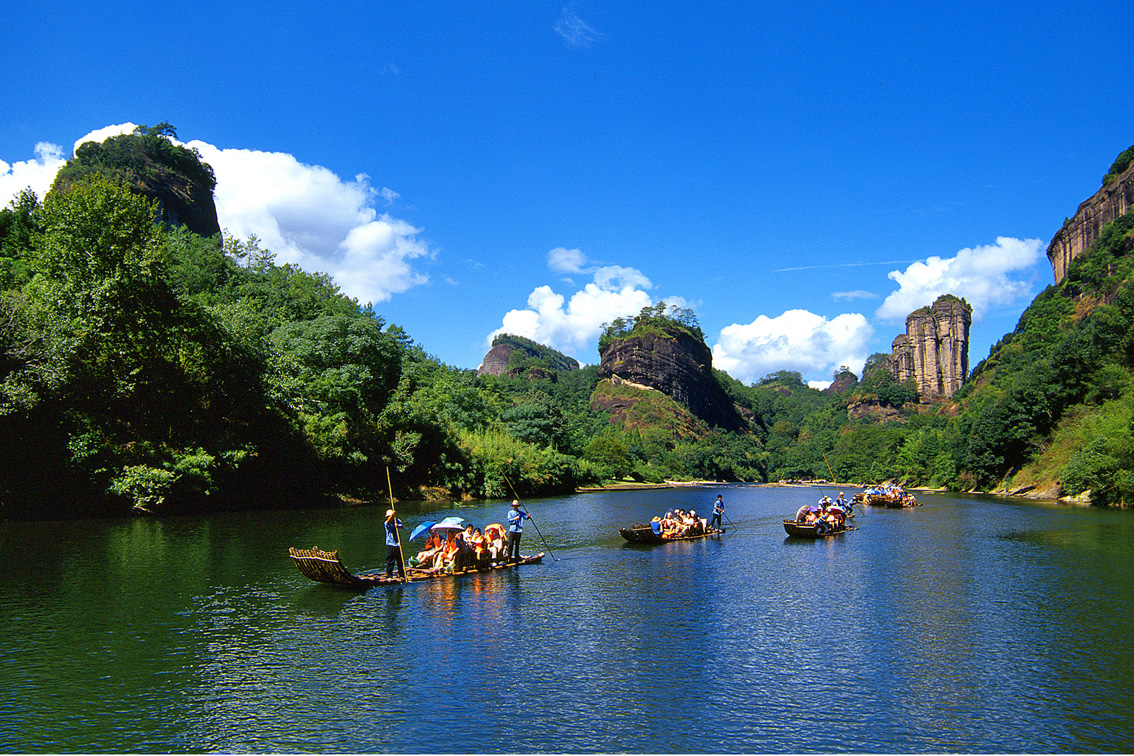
[967, 624]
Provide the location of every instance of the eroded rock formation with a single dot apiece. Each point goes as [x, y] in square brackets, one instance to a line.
[1108, 203]
[934, 350]
[677, 364]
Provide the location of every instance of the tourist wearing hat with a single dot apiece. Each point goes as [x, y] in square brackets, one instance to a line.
[393, 546]
[515, 530]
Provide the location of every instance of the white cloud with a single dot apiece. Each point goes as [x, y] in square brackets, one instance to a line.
[796, 340]
[563, 260]
[982, 276]
[573, 326]
[305, 214]
[36, 174]
[309, 216]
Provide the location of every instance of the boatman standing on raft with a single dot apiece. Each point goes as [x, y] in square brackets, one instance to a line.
[393, 548]
[515, 530]
[718, 512]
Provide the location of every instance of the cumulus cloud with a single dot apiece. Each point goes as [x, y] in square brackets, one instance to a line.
[305, 214]
[796, 340]
[573, 325]
[36, 174]
[982, 275]
[309, 216]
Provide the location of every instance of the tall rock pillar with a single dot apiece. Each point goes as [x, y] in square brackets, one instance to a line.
[934, 350]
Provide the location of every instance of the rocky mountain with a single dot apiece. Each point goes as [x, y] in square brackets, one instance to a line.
[1110, 202]
[514, 355]
[674, 361]
[152, 165]
[934, 350]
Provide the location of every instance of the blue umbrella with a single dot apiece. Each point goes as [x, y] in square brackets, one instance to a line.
[421, 529]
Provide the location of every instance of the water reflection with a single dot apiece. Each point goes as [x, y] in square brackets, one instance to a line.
[962, 625]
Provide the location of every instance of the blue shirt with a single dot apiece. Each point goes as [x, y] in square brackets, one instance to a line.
[718, 506]
[516, 520]
[392, 531]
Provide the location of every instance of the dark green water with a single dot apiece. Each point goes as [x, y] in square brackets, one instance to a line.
[965, 625]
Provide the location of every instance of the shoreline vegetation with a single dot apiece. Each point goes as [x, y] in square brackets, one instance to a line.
[147, 369]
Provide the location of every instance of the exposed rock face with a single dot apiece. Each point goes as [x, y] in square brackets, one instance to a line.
[677, 364]
[182, 203]
[934, 350]
[874, 410]
[842, 383]
[499, 358]
[1107, 204]
[496, 361]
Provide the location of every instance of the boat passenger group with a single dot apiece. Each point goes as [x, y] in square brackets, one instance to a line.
[677, 523]
[827, 515]
[452, 547]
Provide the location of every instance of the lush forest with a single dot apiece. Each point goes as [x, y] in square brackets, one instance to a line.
[147, 368]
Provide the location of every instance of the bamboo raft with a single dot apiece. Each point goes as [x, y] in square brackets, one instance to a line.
[646, 534]
[326, 567]
[811, 530]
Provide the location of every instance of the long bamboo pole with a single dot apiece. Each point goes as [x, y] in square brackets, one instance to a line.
[397, 533]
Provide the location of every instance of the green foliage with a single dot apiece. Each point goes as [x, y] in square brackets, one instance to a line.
[142, 155]
[668, 320]
[20, 227]
[1121, 163]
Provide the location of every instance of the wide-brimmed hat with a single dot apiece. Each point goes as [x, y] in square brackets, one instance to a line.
[515, 502]
[389, 513]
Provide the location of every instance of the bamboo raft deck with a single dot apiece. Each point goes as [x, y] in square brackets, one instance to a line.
[646, 534]
[326, 567]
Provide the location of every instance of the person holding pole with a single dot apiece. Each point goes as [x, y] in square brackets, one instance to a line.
[718, 512]
[394, 546]
[515, 530]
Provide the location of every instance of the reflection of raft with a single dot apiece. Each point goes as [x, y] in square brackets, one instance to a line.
[646, 534]
[326, 567]
[812, 529]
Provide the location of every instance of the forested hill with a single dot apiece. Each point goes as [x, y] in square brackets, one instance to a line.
[148, 368]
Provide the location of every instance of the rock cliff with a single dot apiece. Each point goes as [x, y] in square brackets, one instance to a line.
[513, 356]
[934, 350]
[676, 363]
[1112, 201]
[149, 162]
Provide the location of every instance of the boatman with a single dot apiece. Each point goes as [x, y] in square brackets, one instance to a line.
[393, 546]
[718, 512]
[515, 530]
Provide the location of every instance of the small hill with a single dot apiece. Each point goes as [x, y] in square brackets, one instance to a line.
[514, 356]
[153, 166]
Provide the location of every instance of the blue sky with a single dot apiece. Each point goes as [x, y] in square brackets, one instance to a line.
[802, 176]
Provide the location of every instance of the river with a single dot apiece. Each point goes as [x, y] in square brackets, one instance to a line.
[967, 624]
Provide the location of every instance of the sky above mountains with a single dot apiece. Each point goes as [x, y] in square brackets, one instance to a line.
[801, 176]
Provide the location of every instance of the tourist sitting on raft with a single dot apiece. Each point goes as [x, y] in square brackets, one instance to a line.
[677, 523]
[826, 515]
[461, 550]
